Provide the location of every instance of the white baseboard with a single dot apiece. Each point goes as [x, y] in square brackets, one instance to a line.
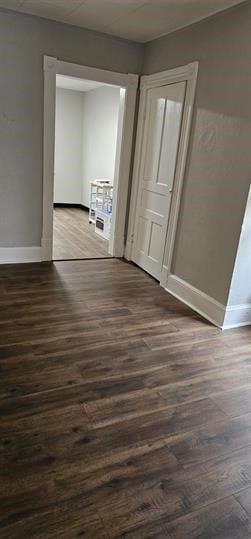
[208, 307]
[19, 255]
[237, 316]
[225, 317]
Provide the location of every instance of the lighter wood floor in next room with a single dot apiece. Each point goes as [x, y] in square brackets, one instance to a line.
[74, 237]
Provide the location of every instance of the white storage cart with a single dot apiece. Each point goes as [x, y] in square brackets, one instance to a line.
[101, 195]
[103, 224]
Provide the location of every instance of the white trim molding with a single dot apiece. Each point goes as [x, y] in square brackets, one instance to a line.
[188, 74]
[20, 255]
[53, 67]
[237, 316]
[222, 316]
[50, 66]
[205, 305]
[170, 76]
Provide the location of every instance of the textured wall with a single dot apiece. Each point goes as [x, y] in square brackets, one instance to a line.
[68, 146]
[100, 125]
[218, 170]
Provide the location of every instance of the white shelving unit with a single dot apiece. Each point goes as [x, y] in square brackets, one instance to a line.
[100, 211]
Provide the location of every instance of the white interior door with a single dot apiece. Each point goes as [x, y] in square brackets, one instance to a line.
[163, 119]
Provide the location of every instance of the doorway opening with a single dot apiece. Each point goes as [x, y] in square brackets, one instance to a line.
[86, 133]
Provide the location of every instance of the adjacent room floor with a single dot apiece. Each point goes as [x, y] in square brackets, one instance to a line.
[123, 413]
[74, 237]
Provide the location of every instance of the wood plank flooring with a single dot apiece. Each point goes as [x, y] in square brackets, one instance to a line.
[123, 413]
[74, 237]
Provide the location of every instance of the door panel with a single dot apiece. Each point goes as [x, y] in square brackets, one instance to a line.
[163, 118]
[154, 139]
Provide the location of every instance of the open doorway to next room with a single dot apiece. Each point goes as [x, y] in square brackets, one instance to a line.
[86, 129]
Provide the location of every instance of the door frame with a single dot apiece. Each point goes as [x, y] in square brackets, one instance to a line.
[188, 74]
[53, 67]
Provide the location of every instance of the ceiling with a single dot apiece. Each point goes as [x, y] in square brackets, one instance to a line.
[80, 85]
[138, 20]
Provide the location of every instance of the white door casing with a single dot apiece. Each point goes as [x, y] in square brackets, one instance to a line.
[52, 67]
[163, 118]
[188, 75]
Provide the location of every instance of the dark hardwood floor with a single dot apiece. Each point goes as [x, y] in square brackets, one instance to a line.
[123, 413]
[74, 237]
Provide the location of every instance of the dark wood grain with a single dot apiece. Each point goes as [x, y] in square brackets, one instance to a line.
[123, 413]
[244, 498]
[223, 520]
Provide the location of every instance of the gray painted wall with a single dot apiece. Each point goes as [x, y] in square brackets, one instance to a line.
[219, 164]
[100, 125]
[68, 146]
[23, 42]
